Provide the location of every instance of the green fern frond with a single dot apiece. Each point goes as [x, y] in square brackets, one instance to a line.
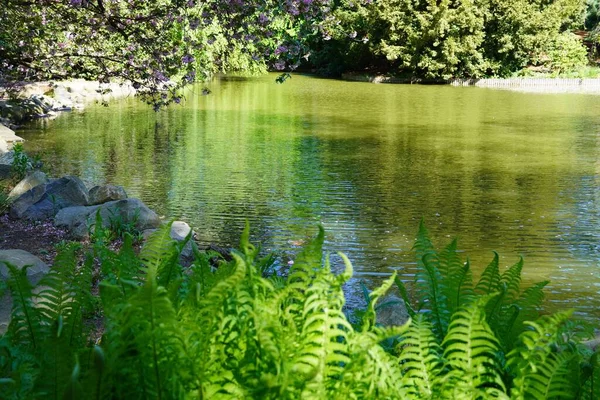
[512, 279]
[157, 248]
[450, 262]
[404, 295]
[371, 372]
[456, 277]
[308, 261]
[66, 292]
[420, 359]
[431, 293]
[423, 245]
[471, 348]
[148, 330]
[370, 316]
[490, 279]
[25, 324]
[542, 371]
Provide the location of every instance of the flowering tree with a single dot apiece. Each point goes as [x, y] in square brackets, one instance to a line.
[159, 46]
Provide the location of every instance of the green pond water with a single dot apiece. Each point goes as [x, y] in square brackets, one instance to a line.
[512, 172]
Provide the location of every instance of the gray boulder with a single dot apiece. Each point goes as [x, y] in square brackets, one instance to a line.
[106, 193]
[18, 258]
[32, 180]
[6, 160]
[78, 220]
[45, 200]
[391, 311]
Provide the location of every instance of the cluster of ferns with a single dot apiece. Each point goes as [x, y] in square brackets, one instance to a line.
[233, 332]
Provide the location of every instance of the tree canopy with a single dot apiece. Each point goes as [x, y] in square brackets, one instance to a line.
[159, 45]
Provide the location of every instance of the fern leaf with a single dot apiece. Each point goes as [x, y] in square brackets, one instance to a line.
[420, 359]
[512, 279]
[490, 279]
[431, 291]
[370, 316]
[308, 260]
[25, 324]
[471, 349]
[541, 372]
[423, 245]
[404, 294]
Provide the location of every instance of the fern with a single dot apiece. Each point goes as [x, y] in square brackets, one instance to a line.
[470, 349]
[420, 359]
[490, 279]
[221, 330]
[25, 324]
[542, 371]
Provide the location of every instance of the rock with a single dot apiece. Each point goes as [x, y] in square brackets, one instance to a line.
[78, 219]
[18, 258]
[147, 233]
[32, 180]
[391, 311]
[6, 160]
[3, 146]
[8, 135]
[179, 231]
[105, 193]
[45, 200]
[40, 102]
[21, 258]
[5, 171]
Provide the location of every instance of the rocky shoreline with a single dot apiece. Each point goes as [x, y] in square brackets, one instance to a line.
[46, 99]
[525, 84]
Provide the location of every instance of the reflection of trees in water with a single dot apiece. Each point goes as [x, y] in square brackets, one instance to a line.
[497, 169]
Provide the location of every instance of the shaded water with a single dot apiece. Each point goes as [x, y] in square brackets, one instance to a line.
[512, 172]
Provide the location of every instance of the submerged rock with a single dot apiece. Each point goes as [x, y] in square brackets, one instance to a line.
[391, 311]
[19, 258]
[78, 220]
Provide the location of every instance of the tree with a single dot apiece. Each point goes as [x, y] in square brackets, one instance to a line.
[159, 46]
[435, 38]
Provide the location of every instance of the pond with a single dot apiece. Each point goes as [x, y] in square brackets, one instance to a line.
[512, 172]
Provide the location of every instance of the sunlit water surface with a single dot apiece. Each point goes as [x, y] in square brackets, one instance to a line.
[512, 172]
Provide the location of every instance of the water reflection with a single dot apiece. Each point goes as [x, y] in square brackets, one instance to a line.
[512, 172]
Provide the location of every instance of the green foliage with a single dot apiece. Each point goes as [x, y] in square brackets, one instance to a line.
[592, 15]
[447, 39]
[21, 163]
[231, 332]
[435, 39]
[4, 200]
